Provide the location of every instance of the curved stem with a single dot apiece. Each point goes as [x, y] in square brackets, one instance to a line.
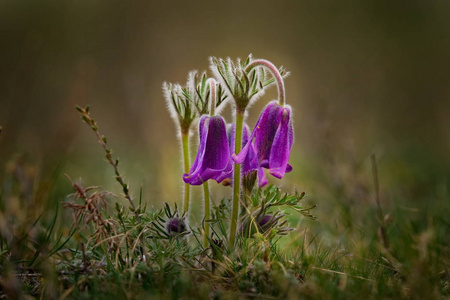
[237, 179]
[276, 74]
[207, 212]
[212, 91]
[187, 187]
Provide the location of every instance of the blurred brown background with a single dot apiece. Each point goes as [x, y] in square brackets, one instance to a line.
[366, 76]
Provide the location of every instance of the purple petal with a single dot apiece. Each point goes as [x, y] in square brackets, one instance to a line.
[266, 130]
[250, 162]
[213, 157]
[270, 143]
[239, 158]
[262, 179]
[282, 144]
[196, 166]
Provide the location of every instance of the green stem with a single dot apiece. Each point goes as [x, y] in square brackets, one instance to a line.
[187, 187]
[212, 87]
[207, 211]
[237, 179]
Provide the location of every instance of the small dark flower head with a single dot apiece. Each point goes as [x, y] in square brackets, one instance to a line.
[265, 222]
[176, 226]
[260, 223]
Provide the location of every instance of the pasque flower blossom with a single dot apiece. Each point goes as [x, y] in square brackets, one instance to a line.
[273, 138]
[213, 160]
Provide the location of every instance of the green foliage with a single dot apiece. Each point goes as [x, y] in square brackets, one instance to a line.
[273, 197]
[106, 251]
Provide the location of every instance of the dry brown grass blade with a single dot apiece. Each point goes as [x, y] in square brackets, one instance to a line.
[342, 273]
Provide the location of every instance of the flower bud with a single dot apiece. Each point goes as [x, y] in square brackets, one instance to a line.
[261, 224]
[176, 226]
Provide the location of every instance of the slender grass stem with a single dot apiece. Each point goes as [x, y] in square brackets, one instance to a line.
[187, 187]
[237, 179]
[86, 117]
[207, 212]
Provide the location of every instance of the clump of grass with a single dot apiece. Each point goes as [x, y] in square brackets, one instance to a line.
[161, 245]
[311, 263]
[354, 265]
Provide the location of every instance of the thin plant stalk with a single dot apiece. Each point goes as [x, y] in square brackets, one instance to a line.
[86, 117]
[187, 187]
[207, 212]
[236, 179]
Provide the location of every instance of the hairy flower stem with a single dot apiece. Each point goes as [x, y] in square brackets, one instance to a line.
[276, 74]
[207, 213]
[187, 187]
[237, 179]
[212, 89]
[212, 111]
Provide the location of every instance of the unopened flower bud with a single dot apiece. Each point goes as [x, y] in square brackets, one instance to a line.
[176, 226]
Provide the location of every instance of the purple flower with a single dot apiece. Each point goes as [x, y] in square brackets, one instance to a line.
[213, 156]
[274, 136]
[250, 162]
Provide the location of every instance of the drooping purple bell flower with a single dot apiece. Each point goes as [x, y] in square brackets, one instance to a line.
[274, 136]
[213, 156]
[250, 162]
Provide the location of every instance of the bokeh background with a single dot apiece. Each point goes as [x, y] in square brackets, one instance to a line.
[366, 77]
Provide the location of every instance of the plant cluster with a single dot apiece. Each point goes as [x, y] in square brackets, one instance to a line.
[230, 153]
[251, 221]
